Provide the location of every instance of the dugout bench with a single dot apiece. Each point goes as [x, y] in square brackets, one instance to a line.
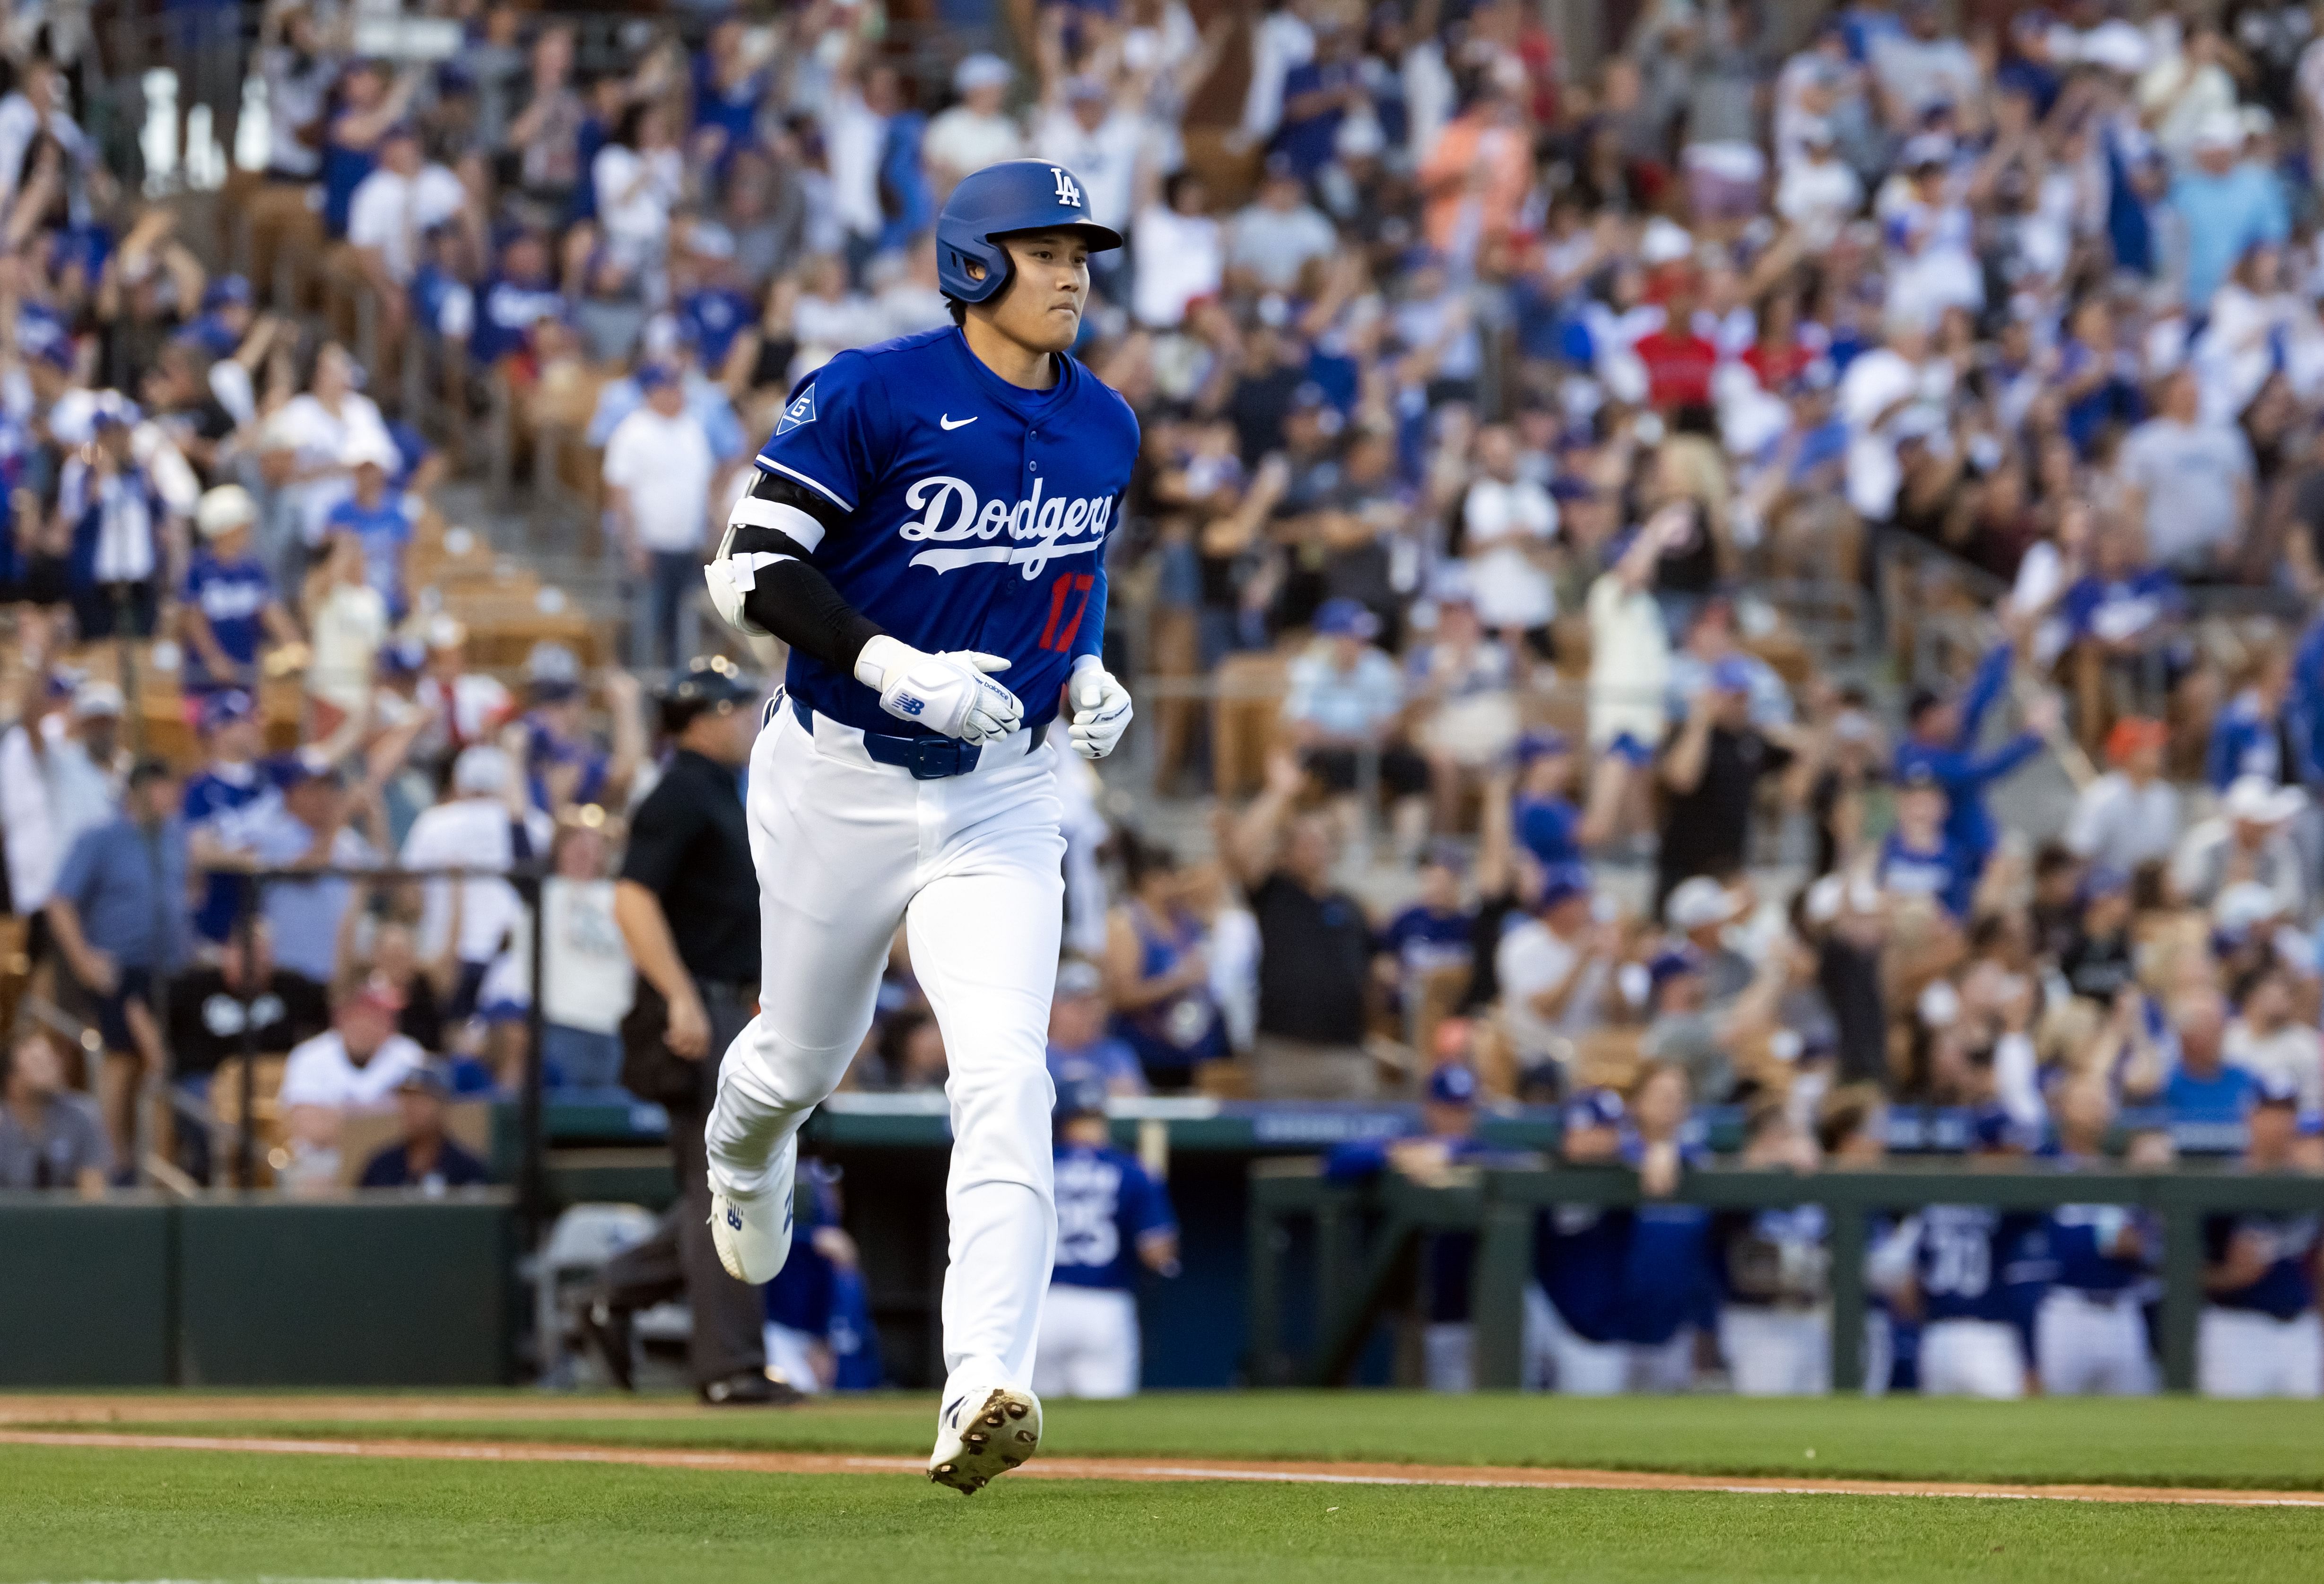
[1366, 1237]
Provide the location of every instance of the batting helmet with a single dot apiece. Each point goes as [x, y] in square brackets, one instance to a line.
[1013, 196]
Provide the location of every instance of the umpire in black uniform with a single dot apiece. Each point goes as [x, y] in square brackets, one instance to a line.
[687, 904]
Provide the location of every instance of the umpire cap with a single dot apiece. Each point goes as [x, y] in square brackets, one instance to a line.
[1013, 196]
[708, 682]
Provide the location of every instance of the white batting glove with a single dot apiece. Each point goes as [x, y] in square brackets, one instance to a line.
[948, 693]
[1101, 709]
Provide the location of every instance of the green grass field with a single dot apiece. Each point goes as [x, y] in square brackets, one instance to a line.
[2158, 1441]
[80, 1514]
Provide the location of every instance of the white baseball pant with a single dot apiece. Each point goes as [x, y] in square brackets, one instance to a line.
[1089, 1343]
[790, 1357]
[2243, 1353]
[1972, 1358]
[1448, 1355]
[2085, 1347]
[1577, 1367]
[1774, 1352]
[845, 849]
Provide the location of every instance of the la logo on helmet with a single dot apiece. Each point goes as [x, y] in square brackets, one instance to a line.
[1067, 193]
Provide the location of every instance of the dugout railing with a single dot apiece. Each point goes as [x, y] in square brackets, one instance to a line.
[1363, 1256]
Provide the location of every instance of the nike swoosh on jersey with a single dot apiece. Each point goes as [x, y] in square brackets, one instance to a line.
[946, 420]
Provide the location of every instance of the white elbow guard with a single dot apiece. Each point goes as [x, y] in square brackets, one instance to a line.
[731, 578]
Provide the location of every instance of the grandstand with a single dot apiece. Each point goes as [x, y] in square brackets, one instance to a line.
[1722, 603]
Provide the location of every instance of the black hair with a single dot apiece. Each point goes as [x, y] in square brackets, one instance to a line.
[625, 131]
[958, 309]
[1141, 857]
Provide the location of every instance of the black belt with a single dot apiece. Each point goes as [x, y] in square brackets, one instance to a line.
[927, 758]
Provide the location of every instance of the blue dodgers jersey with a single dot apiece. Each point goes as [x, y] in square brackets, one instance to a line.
[2080, 1236]
[2285, 1289]
[235, 800]
[233, 596]
[977, 513]
[1105, 1203]
[1978, 1263]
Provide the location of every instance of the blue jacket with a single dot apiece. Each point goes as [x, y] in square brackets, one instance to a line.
[1960, 769]
[2245, 741]
[2305, 709]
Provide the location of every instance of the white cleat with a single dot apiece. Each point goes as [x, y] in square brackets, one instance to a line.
[980, 1435]
[752, 1235]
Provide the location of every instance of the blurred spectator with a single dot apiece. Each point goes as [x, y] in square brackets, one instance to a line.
[60, 776]
[376, 516]
[1918, 858]
[423, 1156]
[659, 473]
[2189, 483]
[1157, 978]
[2249, 734]
[1430, 946]
[2224, 202]
[587, 982]
[1555, 971]
[49, 1137]
[1711, 771]
[975, 132]
[302, 451]
[2130, 815]
[358, 1064]
[403, 199]
[464, 708]
[1509, 523]
[244, 1001]
[484, 828]
[311, 825]
[1942, 735]
[1081, 1052]
[1279, 232]
[351, 622]
[1345, 702]
[2269, 1040]
[2248, 840]
[1315, 947]
[2205, 1098]
[113, 515]
[112, 915]
[1180, 251]
[229, 608]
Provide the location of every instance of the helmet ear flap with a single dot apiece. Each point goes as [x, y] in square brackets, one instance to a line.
[954, 260]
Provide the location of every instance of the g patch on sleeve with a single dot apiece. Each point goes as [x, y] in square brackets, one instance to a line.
[800, 411]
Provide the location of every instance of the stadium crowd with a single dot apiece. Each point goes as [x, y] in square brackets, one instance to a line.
[1512, 425]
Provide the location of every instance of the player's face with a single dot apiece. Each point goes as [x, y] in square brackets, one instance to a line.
[1048, 288]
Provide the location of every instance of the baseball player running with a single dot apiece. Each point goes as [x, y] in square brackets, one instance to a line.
[927, 533]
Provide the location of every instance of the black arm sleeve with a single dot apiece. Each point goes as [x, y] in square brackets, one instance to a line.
[792, 599]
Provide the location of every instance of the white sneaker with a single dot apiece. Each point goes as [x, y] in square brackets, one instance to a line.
[981, 1434]
[752, 1235]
